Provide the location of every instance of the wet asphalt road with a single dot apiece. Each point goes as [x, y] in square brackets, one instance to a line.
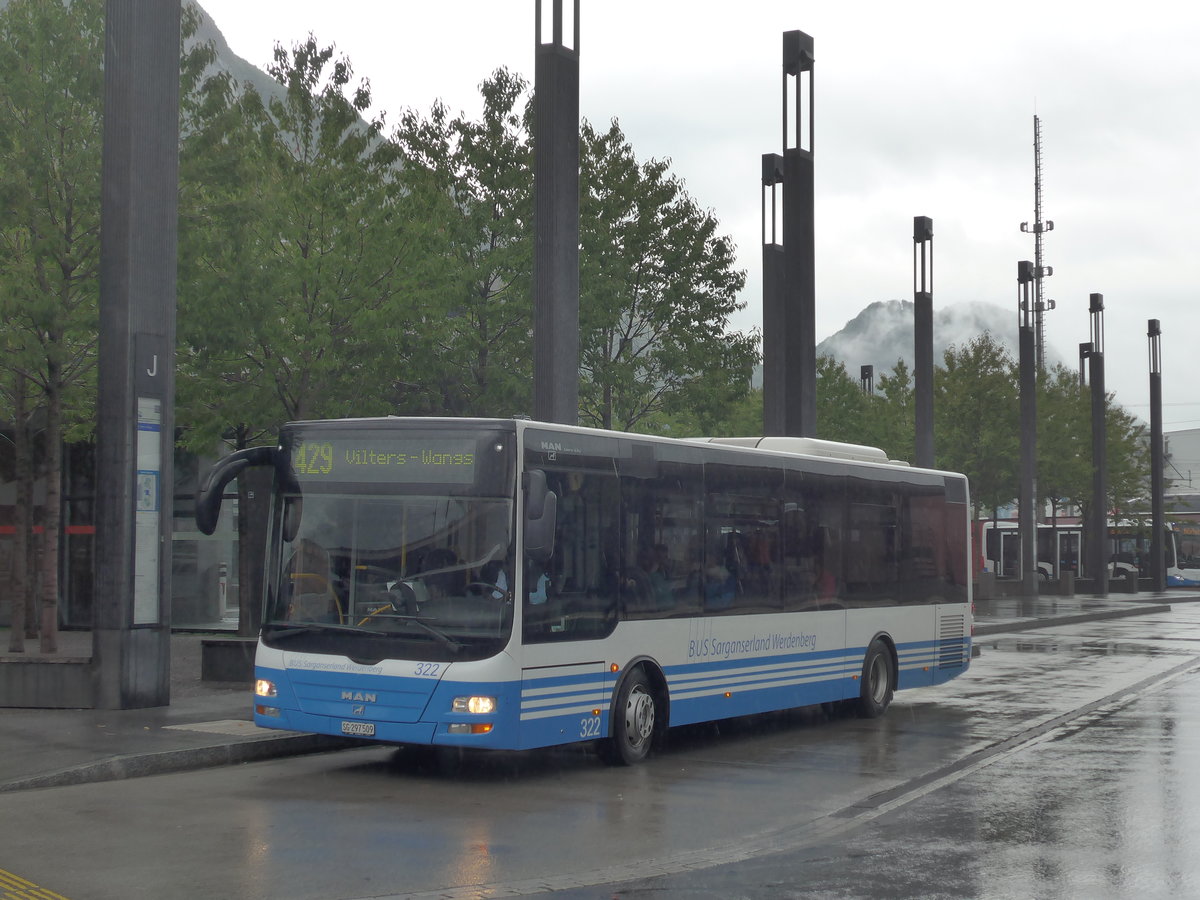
[1066, 763]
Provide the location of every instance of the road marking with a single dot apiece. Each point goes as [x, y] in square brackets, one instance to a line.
[14, 887]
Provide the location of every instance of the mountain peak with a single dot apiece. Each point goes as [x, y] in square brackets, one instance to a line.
[882, 333]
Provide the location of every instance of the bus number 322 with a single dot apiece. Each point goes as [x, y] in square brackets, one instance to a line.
[589, 727]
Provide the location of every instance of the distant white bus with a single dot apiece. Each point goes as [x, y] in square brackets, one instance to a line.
[1060, 550]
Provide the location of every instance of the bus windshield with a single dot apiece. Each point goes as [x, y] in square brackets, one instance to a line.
[416, 569]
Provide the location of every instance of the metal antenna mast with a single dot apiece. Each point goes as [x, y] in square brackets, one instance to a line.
[1040, 227]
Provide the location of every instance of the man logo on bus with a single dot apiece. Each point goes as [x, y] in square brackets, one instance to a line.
[358, 696]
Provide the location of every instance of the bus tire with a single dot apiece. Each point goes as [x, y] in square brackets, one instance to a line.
[878, 681]
[634, 721]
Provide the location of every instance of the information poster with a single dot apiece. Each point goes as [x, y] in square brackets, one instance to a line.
[147, 518]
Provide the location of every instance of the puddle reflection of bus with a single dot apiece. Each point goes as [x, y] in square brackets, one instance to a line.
[1129, 550]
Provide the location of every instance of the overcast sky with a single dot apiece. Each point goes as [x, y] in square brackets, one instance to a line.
[921, 109]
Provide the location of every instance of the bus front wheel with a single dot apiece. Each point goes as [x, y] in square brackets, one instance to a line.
[633, 722]
[878, 681]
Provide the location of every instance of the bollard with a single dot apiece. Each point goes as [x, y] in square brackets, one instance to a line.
[1131, 582]
[1066, 584]
[985, 588]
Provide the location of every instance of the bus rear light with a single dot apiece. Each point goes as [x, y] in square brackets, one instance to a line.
[469, 727]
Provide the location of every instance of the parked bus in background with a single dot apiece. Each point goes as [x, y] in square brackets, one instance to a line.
[1128, 550]
[1058, 549]
[513, 584]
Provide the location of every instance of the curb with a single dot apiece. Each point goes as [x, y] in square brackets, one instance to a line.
[1034, 624]
[138, 765]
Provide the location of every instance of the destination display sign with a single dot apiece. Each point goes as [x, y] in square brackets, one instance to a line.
[380, 460]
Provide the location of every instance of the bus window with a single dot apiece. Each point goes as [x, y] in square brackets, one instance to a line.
[812, 540]
[578, 598]
[660, 541]
[743, 559]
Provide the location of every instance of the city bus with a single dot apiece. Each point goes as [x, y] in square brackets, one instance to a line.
[1058, 549]
[512, 584]
[1128, 550]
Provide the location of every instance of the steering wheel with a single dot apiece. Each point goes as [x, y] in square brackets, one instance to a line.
[403, 599]
[488, 589]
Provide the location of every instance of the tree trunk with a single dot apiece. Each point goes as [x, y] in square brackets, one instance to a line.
[23, 464]
[52, 517]
[25, 492]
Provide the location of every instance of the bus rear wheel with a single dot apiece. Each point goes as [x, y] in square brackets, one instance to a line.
[878, 681]
[634, 719]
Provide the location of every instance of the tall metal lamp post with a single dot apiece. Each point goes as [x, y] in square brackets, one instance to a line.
[923, 338]
[799, 234]
[1158, 517]
[1099, 514]
[1028, 370]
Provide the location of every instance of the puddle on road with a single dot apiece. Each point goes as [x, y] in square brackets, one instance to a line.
[1079, 647]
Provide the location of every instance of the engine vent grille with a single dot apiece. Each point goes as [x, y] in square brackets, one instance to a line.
[951, 646]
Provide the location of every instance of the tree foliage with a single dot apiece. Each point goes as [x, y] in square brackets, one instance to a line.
[308, 271]
[480, 359]
[657, 288]
[976, 419]
[51, 88]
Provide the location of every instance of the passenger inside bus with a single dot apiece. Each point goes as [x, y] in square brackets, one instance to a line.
[440, 575]
[648, 585]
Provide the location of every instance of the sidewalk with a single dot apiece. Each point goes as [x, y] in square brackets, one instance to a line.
[209, 723]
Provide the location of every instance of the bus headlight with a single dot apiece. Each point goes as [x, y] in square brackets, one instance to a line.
[264, 688]
[478, 705]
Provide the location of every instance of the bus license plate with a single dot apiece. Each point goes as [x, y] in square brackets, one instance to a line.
[359, 729]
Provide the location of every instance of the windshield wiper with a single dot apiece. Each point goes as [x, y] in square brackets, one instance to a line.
[436, 632]
[281, 630]
[291, 629]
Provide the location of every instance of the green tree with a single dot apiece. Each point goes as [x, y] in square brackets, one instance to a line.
[1128, 458]
[657, 288]
[1064, 442]
[896, 422]
[480, 359]
[51, 91]
[843, 410]
[306, 255]
[976, 422]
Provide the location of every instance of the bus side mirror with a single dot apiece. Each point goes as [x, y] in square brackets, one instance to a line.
[541, 508]
[208, 495]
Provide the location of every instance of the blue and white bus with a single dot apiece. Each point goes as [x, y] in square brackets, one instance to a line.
[514, 584]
